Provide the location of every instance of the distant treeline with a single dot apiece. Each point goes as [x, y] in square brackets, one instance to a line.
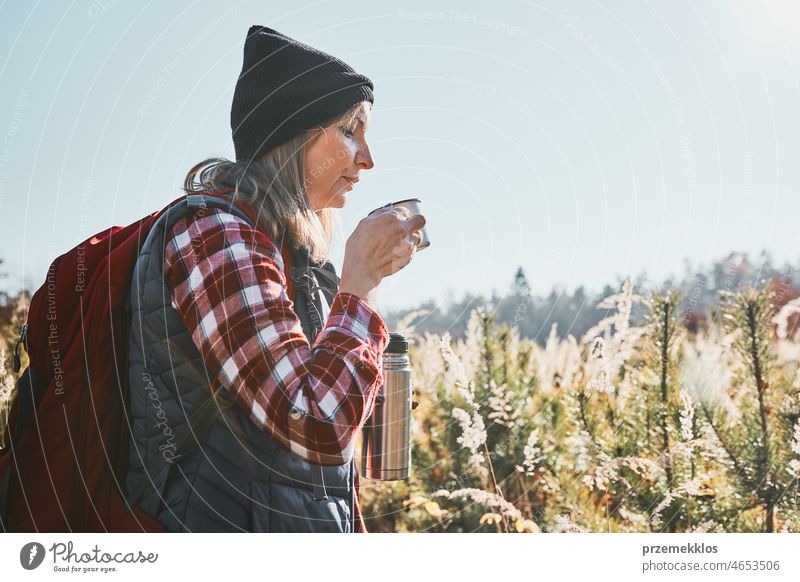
[576, 312]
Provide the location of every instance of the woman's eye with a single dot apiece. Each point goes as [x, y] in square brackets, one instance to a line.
[348, 132]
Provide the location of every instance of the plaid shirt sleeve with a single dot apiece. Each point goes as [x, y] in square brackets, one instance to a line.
[229, 288]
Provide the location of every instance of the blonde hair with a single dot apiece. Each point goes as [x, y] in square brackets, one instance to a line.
[274, 187]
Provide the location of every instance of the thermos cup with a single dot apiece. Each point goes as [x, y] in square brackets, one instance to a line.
[412, 204]
[386, 445]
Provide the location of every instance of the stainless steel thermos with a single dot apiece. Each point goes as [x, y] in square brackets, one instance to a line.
[386, 445]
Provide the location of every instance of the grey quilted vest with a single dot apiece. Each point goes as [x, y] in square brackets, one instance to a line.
[198, 463]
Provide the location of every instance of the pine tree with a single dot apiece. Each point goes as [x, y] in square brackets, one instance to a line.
[759, 442]
[661, 343]
[520, 286]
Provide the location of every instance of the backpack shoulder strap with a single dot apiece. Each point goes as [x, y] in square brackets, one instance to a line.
[187, 205]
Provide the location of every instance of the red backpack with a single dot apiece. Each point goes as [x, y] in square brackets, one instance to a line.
[65, 452]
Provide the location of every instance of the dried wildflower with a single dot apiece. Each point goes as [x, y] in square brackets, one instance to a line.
[532, 452]
[454, 364]
[577, 445]
[500, 404]
[526, 526]
[635, 518]
[559, 364]
[794, 464]
[655, 516]
[705, 527]
[565, 525]
[470, 350]
[787, 352]
[6, 388]
[781, 319]
[706, 374]
[696, 487]
[473, 436]
[406, 325]
[433, 509]
[488, 499]
[415, 501]
[430, 506]
[491, 519]
[687, 416]
[601, 382]
[609, 352]
[598, 348]
[623, 302]
[608, 471]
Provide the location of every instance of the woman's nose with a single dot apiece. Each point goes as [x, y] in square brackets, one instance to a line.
[364, 156]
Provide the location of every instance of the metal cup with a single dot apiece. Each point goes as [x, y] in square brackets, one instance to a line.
[412, 204]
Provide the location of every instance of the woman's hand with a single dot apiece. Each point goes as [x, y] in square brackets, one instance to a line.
[383, 243]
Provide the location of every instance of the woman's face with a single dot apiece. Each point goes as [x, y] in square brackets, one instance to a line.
[333, 161]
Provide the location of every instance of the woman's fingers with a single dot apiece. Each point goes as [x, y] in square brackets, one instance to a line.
[399, 259]
[414, 223]
[401, 255]
[400, 211]
[396, 235]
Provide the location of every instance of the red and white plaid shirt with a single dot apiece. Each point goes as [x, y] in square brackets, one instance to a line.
[230, 290]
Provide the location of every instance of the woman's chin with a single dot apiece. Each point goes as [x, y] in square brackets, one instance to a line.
[338, 200]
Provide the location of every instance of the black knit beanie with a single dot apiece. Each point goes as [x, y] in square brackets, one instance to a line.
[287, 87]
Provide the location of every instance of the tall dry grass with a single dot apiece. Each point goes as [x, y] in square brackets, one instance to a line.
[629, 428]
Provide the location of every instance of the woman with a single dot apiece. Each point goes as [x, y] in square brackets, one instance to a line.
[251, 374]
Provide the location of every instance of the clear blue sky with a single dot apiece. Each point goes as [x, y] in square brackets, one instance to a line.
[583, 141]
